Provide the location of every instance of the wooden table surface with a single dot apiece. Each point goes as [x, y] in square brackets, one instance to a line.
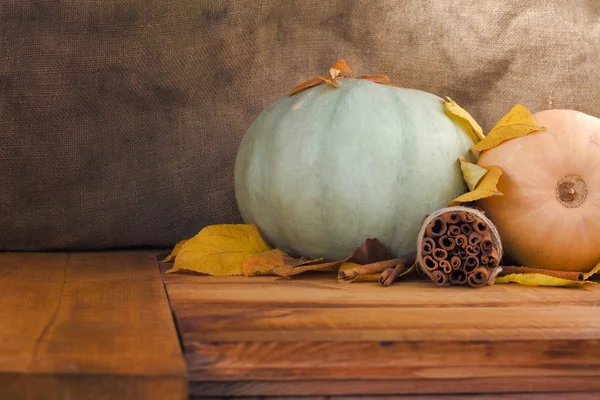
[87, 326]
[98, 326]
[311, 336]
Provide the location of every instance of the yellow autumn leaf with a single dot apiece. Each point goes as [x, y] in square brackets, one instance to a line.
[594, 271]
[360, 278]
[264, 263]
[464, 119]
[220, 249]
[516, 123]
[487, 187]
[175, 250]
[472, 173]
[539, 280]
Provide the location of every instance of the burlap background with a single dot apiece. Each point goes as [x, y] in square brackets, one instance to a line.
[119, 121]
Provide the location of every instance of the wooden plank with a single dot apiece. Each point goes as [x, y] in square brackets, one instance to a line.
[435, 389]
[505, 396]
[399, 360]
[87, 325]
[323, 291]
[311, 336]
[219, 322]
[511, 396]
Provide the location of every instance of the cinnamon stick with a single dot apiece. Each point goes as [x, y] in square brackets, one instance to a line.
[479, 277]
[471, 263]
[466, 229]
[391, 274]
[472, 250]
[450, 218]
[439, 278]
[453, 217]
[429, 263]
[487, 245]
[573, 276]
[458, 277]
[440, 254]
[461, 240]
[479, 226]
[475, 238]
[453, 231]
[446, 243]
[437, 227]
[446, 266]
[455, 262]
[467, 217]
[428, 245]
[450, 245]
[367, 269]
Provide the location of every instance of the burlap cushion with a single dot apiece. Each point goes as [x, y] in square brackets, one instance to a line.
[120, 121]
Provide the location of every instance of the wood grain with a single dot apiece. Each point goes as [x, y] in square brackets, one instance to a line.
[436, 389]
[311, 336]
[463, 396]
[512, 396]
[87, 326]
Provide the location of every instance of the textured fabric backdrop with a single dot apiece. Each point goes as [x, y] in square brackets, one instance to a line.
[120, 121]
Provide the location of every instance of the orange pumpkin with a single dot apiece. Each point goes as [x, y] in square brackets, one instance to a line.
[549, 216]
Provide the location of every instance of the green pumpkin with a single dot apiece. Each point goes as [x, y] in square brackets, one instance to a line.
[322, 170]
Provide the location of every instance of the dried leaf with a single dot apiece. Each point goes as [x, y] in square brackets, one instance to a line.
[375, 78]
[472, 173]
[332, 82]
[370, 251]
[220, 249]
[360, 278]
[288, 270]
[383, 78]
[516, 123]
[594, 271]
[175, 250]
[489, 182]
[464, 119]
[487, 187]
[539, 280]
[341, 66]
[335, 73]
[306, 85]
[264, 263]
